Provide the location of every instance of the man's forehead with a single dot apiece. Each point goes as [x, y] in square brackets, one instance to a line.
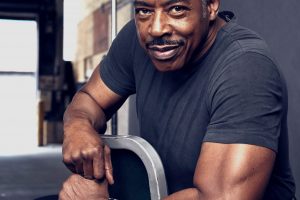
[163, 2]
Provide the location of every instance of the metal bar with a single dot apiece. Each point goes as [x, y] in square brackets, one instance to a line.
[114, 119]
[149, 157]
[113, 19]
[18, 15]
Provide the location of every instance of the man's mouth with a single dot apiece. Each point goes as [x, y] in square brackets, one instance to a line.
[163, 52]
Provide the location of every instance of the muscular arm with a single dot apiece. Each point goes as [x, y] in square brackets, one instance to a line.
[85, 117]
[92, 103]
[229, 171]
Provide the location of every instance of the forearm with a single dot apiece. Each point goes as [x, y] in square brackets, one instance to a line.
[196, 194]
[187, 194]
[84, 112]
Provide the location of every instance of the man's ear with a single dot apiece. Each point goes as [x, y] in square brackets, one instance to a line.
[213, 9]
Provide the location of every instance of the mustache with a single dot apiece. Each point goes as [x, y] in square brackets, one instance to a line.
[161, 41]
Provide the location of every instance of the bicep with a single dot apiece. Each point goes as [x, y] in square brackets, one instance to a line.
[233, 171]
[100, 92]
[95, 97]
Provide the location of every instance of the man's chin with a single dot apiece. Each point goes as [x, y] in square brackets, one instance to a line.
[166, 67]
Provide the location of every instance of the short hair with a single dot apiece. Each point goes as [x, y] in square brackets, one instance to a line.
[204, 4]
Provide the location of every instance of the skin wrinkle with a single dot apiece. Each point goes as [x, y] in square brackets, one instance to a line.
[156, 24]
[137, 2]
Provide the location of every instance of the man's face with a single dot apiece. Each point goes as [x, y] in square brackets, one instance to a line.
[171, 31]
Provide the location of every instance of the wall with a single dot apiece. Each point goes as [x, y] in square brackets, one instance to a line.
[278, 23]
[94, 39]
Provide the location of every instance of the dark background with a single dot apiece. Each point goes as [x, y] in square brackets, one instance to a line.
[278, 22]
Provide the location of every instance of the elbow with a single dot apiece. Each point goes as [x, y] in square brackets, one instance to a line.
[210, 190]
[226, 191]
[204, 191]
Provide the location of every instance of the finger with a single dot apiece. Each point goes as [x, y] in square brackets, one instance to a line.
[79, 168]
[88, 169]
[61, 195]
[98, 164]
[74, 163]
[108, 165]
[67, 160]
[64, 193]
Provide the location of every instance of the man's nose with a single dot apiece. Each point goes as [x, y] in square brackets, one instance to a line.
[159, 25]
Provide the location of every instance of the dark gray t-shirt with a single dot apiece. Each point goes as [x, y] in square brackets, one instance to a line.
[234, 94]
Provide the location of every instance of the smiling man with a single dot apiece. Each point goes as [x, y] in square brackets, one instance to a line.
[175, 33]
[210, 100]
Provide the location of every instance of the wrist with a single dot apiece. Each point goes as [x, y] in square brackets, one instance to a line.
[77, 126]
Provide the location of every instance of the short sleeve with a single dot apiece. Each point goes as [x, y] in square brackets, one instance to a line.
[245, 102]
[116, 68]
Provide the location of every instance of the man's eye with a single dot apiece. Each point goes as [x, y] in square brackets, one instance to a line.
[177, 10]
[142, 11]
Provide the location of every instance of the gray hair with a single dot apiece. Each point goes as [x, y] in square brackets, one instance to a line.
[204, 4]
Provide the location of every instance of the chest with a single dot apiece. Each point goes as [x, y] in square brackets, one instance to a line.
[172, 109]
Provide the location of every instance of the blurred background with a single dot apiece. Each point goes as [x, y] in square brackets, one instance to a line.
[48, 50]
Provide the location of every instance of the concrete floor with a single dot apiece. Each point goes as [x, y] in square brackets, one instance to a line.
[31, 176]
[26, 171]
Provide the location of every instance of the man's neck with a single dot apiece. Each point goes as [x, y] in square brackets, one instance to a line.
[211, 36]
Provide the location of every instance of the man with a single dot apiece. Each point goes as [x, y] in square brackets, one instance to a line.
[210, 100]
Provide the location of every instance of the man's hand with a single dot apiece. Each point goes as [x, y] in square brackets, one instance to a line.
[84, 153]
[79, 188]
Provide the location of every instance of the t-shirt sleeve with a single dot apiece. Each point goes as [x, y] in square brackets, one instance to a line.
[245, 102]
[116, 68]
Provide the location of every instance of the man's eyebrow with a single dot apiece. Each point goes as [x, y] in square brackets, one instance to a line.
[168, 2]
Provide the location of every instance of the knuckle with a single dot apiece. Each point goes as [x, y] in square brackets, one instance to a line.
[85, 153]
[95, 150]
[98, 176]
[67, 159]
[75, 156]
[64, 186]
[60, 196]
[98, 147]
[73, 178]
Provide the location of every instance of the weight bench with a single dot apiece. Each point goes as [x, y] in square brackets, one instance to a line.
[137, 169]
